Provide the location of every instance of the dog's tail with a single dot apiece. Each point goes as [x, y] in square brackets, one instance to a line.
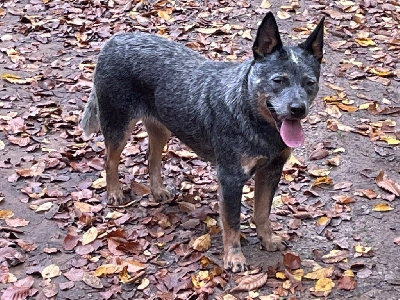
[90, 118]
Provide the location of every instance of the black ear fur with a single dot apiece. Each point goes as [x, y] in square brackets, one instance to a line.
[268, 39]
[314, 43]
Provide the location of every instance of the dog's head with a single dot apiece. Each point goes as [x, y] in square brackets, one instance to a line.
[286, 78]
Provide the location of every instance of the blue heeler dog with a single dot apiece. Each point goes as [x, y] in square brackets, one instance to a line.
[243, 117]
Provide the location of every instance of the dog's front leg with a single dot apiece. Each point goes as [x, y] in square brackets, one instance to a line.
[266, 181]
[230, 193]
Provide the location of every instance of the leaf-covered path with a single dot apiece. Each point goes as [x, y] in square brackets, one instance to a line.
[337, 204]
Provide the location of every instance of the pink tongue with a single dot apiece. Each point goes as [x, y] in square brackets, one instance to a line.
[292, 133]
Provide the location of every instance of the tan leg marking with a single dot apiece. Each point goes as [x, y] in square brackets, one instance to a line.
[158, 138]
[115, 195]
[233, 257]
[266, 180]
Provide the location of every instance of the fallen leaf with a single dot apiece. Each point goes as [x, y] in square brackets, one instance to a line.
[382, 207]
[291, 260]
[51, 271]
[385, 183]
[5, 214]
[107, 269]
[265, 4]
[202, 243]
[144, 284]
[16, 222]
[320, 273]
[89, 236]
[92, 281]
[283, 15]
[251, 282]
[346, 283]
[323, 285]
[335, 256]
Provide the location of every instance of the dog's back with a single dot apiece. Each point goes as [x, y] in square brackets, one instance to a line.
[140, 75]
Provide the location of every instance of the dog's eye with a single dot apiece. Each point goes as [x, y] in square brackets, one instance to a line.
[278, 80]
[311, 82]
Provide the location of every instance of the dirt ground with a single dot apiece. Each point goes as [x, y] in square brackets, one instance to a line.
[52, 46]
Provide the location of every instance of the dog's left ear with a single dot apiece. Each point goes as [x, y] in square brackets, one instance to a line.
[268, 39]
[315, 41]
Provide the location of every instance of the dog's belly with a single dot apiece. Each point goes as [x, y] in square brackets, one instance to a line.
[195, 137]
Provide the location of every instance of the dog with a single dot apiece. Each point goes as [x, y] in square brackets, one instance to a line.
[243, 117]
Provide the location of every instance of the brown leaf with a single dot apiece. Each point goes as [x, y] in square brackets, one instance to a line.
[20, 141]
[335, 256]
[346, 283]
[202, 243]
[74, 274]
[71, 239]
[319, 154]
[20, 289]
[389, 185]
[16, 222]
[291, 260]
[4, 272]
[251, 282]
[140, 189]
[343, 199]
[92, 281]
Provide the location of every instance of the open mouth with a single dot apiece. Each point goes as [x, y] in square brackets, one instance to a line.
[291, 131]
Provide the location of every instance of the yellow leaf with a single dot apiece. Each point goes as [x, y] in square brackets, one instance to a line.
[202, 243]
[89, 236]
[319, 172]
[114, 215]
[321, 273]
[51, 271]
[15, 79]
[107, 269]
[324, 285]
[382, 207]
[280, 275]
[322, 221]
[265, 4]
[4, 214]
[144, 284]
[365, 42]
[283, 15]
[247, 34]
[362, 249]
[200, 279]
[346, 107]
[99, 183]
[210, 222]
[322, 180]
[364, 105]
[2, 145]
[391, 140]
[349, 273]
[44, 207]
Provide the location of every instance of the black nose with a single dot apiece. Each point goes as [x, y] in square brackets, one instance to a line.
[297, 110]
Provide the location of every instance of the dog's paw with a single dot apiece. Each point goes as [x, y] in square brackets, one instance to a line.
[273, 243]
[236, 262]
[161, 193]
[116, 198]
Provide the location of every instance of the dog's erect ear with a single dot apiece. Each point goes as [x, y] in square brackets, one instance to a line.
[267, 39]
[315, 41]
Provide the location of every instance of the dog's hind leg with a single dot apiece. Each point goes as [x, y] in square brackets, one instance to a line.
[266, 182]
[114, 147]
[158, 138]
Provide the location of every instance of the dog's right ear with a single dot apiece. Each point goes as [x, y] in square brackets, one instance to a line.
[268, 39]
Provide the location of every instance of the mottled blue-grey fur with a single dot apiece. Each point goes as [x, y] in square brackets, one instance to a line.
[229, 113]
